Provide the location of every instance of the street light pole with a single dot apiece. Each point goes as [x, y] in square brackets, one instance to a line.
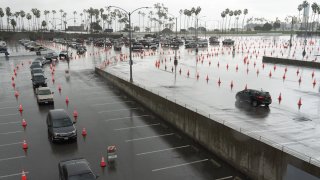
[130, 35]
[130, 50]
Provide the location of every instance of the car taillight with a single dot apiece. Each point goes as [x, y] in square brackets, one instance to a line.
[260, 97]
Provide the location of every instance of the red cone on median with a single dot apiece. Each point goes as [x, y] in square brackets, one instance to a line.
[24, 123]
[23, 175]
[84, 132]
[20, 108]
[24, 145]
[103, 162]
[299, 103]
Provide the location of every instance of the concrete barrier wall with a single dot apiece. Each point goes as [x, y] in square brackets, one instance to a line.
[252, 157]
[293, 62]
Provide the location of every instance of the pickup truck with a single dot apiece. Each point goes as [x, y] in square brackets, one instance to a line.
[44, 95]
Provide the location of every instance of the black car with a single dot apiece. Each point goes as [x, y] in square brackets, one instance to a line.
[75, 169]
[81, 50]
[51, 56]
[38, 79]
[36, 70]
[35, 65]
[60, 126]
[63, 54]
[254, 97]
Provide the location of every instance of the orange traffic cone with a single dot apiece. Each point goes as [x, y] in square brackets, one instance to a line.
[279, 98]
[16, 94]
[219, 82]
[299, 103]
[24, 145]
[20, 108]
[75, 114]
[24, 123]
[231, 85]
[23, 175]
[59, 88]
[103, 162]
[84, 132]
[67, 100]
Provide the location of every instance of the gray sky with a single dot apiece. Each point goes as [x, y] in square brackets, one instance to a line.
[269, 9]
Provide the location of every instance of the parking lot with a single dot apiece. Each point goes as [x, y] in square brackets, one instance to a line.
[147, 147]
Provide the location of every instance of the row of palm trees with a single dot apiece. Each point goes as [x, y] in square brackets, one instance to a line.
[315, 11]
[225, 26]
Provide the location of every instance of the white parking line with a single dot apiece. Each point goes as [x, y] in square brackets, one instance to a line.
[129, 117]
[150, 137]
[224, 178]
[10, 175]
[2, 145]
[179, 165]
[150, 152]
[267, 130]
[9, 114]
[11, 158]
[9, 107]
[116, 110]
[111, 103]
[13, 132]
[135, 127]
[15, 122]
[109, 97]
[7, 102]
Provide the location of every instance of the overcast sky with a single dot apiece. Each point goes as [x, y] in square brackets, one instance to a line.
[212, 9]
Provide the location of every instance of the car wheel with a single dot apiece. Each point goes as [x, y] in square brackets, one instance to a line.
[267, 105]
[254, 103]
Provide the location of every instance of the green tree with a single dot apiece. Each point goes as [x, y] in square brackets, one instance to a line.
[44, 24]
[314, 8]
[267, 27]
[1, 18]
[22, 15]
[8, 14]
[13, 24]
[28, 16]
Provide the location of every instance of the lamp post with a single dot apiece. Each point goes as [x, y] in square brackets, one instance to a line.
[197, 20]
[130, 34]
[175, 62]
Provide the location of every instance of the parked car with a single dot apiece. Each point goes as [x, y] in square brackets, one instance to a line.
[75, 169]
[36, 64]
[44, 95]
[191, 45]
[137, 47]
[213, 40]
[81, 50]
[63, 54]
[36, 70]
[254, 97]
[38, 79]
[51, 56]
[60, 126]
[228, 42]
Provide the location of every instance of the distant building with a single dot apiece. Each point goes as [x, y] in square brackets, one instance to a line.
[76, 28]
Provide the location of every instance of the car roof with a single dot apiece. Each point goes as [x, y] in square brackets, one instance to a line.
[58, 113]
[76, 166]
[34, 69]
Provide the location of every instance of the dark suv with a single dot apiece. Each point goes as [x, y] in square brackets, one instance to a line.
[38, 79]
[75, 169]
[254, 97]
[60, 126]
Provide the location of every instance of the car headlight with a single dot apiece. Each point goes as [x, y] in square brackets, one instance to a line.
[56, 134]
[74, 132]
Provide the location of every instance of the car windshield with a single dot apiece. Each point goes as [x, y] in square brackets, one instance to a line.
[62, 123]
[38, 78]
[88, 176]
[44, 92]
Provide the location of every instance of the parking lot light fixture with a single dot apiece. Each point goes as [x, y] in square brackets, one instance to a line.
[130, 34]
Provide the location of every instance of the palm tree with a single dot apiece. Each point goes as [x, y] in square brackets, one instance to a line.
[13, 24]
[223, 15]
[318, 12]
[38, 14]
[230, 14]
[22, 15]
[300, 7]
[1, 16]
[180, 12]
[43, 24]
[245, 12]
[239, 13]
[61, 13]
[91, 13]
[53, 19]
[314, 8]
[81, 14]
[305, 4]
[185, 12]
[8, 13]
[74, 17]
[151, 18]
[101, 13]
[28, 16]
[17, 15]
[226, 11]
[143, 14]
[139, 13]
